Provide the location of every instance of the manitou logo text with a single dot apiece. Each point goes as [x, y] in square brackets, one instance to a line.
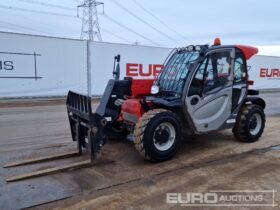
[139, 70]
[270, 73]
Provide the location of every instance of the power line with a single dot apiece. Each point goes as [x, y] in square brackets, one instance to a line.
[158, 19]
[129, 29]
[115, 35]
[47, 4]
[12, 25]
[143, 21]
[36, 11]
[36, 21]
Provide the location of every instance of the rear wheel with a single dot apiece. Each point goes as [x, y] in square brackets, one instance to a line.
[250, 124]
[157, 135]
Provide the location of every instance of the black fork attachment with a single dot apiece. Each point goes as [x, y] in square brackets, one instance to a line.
[90, 129]
[87, 128]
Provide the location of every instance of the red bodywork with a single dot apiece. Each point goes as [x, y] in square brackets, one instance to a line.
[248, 51]
[132, 108]
[141, 87]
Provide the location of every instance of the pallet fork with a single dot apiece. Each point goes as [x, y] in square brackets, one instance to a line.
[87, 130]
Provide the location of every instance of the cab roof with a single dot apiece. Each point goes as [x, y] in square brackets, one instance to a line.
[248, 51]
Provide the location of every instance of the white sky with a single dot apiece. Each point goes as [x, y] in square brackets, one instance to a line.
[250, 22]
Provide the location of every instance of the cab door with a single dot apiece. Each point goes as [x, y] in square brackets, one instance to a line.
[209, 96]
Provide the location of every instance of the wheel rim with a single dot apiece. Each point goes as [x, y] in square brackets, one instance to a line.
[164, 136]
[255, 124]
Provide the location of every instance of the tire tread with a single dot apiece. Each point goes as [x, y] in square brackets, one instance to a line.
[240, 131]
[140, 130]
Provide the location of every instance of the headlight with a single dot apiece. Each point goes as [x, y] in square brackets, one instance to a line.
[154, 89]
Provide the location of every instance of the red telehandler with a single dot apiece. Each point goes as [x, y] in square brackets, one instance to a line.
[201, 89]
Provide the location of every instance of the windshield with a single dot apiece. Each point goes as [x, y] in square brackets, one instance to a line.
[172, 78]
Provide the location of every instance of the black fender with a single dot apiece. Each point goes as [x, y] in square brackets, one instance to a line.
[255, 100]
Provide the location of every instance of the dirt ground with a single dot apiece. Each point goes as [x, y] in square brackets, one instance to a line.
[122, 179]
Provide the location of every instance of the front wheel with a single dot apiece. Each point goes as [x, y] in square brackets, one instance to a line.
[250, 123]
[157, 135]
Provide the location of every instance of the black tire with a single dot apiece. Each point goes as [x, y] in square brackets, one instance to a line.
[243, 130]
[145, 131]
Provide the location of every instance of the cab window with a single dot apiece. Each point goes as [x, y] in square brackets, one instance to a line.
[196, 87]
[212, 75]
[240, 73]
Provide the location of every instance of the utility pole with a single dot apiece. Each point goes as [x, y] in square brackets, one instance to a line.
[90, 30]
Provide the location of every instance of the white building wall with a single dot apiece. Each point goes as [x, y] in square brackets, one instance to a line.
[265, 72]
[61, 65]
